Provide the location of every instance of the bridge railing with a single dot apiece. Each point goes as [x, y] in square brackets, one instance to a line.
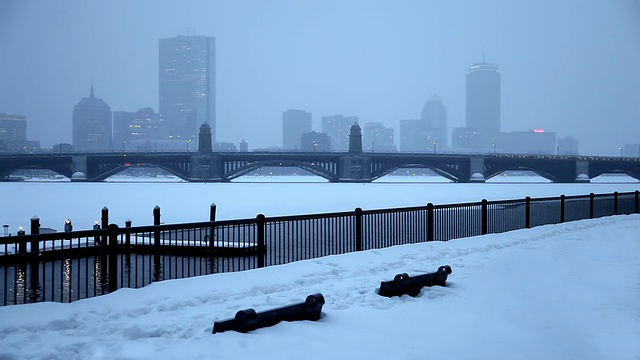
[68, 266]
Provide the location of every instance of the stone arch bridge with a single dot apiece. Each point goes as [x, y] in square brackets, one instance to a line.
[333, 166]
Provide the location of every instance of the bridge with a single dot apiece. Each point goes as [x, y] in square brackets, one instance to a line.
[352, 166]
[334, 166]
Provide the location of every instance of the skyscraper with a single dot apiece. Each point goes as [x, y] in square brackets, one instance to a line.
[187, 85]
[338, 127]
[294, 124]
[483, 102]
[92, 124]
[434, 118]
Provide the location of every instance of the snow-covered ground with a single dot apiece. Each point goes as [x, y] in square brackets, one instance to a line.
[568, 291]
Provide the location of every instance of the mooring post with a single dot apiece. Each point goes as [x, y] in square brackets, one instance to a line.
[527, 212]
[212, 218]
[485, 217]
[260, 222]
[562, 202]
[35, 229]
[591, 201]
[358, 229]
[212, 212]
[113, 257]
[104, 218]
[615, 203]
[127, 237]
[430, 225]
[156, 222]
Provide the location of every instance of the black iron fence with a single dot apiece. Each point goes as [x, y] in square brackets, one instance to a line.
[73, 265]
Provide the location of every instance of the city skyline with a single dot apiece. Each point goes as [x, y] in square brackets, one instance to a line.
[578, 80]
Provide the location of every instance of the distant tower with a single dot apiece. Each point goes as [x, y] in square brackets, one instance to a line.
[294, 124]
[187, 84]
[483, 102]
[204, 139]
[355, 139]
[92, 124]
[434, 118]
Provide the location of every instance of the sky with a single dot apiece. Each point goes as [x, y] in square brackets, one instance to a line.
[568, 67]
[566, 291]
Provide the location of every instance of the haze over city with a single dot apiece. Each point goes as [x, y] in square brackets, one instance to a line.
[568, 67]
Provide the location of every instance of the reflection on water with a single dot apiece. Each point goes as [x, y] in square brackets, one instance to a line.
[73, 279]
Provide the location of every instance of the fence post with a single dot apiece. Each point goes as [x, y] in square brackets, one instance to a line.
[35, 229]
[212, 218]
[485, 217]
[127, 238]
[527, 212]
[212, 212]
[260, 220]
[562, 198]
[358, 229]
[591, 201]
[615, 203]
[156, 222]
[22, 244]
[430, 227]
[635, 208]
[113, 257]
[104, 218]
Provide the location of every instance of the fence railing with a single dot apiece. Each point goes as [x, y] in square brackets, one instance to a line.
[73, 265]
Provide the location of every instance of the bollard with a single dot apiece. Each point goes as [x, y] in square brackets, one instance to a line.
[212, 212]
[35, 229]
[156, 222]
[404, 284]
[22, 244]
[247, 320]
[96, 226]
[127, 238]
[105, 224]
[68, 227]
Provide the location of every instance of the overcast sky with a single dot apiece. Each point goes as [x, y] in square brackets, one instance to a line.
[572, 67]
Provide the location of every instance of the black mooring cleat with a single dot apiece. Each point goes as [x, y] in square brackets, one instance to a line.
[404, 284]
[247, 320]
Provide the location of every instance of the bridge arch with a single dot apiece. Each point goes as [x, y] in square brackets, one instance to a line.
[324, 169]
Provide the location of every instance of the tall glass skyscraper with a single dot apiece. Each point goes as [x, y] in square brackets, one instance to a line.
[188, 85]
[483, 101]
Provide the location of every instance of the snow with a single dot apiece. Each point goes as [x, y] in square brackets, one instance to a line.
[567, 291]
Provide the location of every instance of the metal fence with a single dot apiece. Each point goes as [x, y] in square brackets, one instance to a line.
[69, 266]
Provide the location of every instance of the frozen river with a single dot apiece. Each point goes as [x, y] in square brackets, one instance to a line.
[134, 198]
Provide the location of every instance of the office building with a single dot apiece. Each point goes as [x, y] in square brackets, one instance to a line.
[187, 85]
[315, 142]
[483, 104]
[139, 130]
[527, 142]
[294, 124]
[337, 127]
[92, 124]
[378, 138]
[567, 146]
[434, 117]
